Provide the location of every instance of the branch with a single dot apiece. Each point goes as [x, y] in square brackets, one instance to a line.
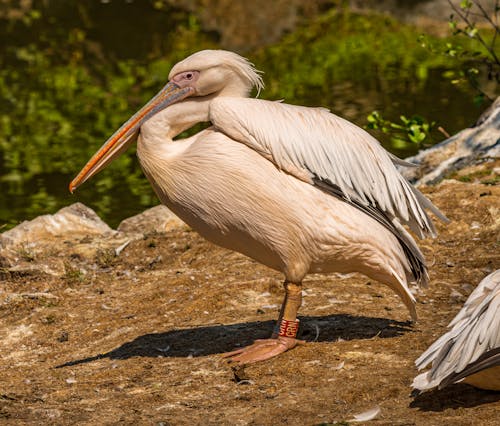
[470, 24]
[494, 39]
[486, 16]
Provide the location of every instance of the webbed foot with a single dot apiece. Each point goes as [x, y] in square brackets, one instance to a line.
[262, 349]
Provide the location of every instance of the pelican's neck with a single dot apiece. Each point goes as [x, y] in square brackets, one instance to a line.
[173, 120]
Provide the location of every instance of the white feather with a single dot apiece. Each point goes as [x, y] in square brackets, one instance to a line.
[474, 331]
[323, 145]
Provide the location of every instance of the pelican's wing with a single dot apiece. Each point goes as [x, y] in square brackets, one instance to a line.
[489, 360]
[473, 332]
[319, 147]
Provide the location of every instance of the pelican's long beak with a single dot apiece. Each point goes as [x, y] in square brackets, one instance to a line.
[128, 132]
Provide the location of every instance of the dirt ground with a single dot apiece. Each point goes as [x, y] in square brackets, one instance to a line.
[137, 338]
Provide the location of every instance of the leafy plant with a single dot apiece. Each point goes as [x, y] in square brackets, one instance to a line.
[64, 90]
[371, 51]
[61, 98]
[475, 56]
[415, 129]
[485, 54]
[473, 47]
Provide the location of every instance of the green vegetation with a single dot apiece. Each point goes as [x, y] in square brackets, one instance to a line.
[373, 51]
[414, 129]
[484, 55]
[486, 177]
[477, 66]
[63, 93]
[26, 253]
[73, 274]
[61, 101]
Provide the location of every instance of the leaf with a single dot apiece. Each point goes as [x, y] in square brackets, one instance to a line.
[479, 99]
[472, 32]
[417, 137]
[398, 126]
[373, 117]
[398, 143]
[449, 74]
[465, 4]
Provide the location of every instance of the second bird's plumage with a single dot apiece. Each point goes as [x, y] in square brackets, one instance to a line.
[470, 350]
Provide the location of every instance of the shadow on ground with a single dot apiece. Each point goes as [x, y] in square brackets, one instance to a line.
[454, 396]
[202, 341]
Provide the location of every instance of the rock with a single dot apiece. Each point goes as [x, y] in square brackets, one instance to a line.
[73, 221]
[52, 266]
[48, 244]
[13, 297]
[468, 147]
[155, 219]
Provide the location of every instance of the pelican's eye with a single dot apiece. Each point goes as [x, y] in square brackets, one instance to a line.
[185, 78]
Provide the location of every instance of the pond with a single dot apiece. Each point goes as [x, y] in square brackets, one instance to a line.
[72, 72]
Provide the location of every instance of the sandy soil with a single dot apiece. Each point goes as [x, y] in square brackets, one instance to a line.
[136, 338]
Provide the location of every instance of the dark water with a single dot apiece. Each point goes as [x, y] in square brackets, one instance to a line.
[122, 30]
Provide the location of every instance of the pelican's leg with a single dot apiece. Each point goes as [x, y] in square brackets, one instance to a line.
[284, 335]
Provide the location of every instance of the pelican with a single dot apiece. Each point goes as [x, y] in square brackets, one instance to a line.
[470, 351]
[298, 189]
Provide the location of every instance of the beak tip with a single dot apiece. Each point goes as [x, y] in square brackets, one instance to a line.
[72, 187]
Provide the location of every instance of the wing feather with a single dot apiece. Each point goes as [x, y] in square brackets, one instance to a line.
[474, 331]
[487, 360]
[315, 143]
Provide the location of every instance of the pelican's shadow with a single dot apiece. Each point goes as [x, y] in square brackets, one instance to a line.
[454, 396]
[201, 341]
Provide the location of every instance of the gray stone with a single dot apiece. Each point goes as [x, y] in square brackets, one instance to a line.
[155, 219]
[468, 147]
[41, 246]
[73, 221]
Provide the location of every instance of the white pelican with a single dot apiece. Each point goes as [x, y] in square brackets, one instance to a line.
[470, 351]
[297, 189]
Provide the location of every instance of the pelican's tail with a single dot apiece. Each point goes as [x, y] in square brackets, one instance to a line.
[417, 271]
[403, 291]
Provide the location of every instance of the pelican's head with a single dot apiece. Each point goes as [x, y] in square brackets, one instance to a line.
[216, 71]
[205, 73]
